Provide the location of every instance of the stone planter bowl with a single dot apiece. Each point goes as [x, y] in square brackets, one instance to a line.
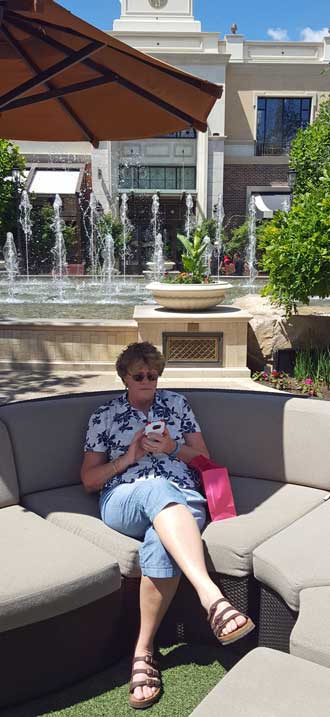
[188, 297]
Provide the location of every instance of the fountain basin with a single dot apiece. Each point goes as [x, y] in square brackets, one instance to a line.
[188, 297]
[168, 265]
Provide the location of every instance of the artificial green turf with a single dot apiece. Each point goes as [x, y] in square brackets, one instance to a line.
[189, 672]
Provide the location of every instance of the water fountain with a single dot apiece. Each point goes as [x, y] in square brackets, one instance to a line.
[207, 256]
[11, 263]
[157, 263]
[126, 225]
[251, 252]
[90, 221]
[189, 223]
[59, 250]
[220, 214]
[25, 207]
[108, 254]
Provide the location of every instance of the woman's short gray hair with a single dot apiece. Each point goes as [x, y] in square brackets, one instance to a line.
[143, 352]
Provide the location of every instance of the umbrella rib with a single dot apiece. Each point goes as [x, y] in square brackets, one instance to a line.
[48, 74]
[56, 93]
[32, 65]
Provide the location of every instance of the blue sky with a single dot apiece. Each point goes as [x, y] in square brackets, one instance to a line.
[257, 20]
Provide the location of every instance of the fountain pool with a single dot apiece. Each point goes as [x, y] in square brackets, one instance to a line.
[86, 298]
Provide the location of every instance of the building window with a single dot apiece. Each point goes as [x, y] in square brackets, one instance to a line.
[157, 178]
[182, 134]
[278, 121]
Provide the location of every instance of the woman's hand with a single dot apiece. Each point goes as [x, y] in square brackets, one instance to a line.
[135, 450]
[158, 443]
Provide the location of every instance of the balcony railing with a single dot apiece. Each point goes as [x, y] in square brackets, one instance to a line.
[263, 148]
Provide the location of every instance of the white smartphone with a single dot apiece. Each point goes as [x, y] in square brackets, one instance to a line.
[154, 427]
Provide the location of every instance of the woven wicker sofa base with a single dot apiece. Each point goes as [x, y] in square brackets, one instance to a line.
[51, 654]
[276, 620]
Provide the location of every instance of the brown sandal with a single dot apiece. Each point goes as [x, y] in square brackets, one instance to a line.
[152, 680]
[218, 622]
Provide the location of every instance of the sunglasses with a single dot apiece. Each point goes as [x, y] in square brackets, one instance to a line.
[138, 377]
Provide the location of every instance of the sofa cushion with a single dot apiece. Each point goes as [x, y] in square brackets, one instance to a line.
[267, 683]
[48, 437]
[8, 479]
[296, 558]
[266, 435]
[45, 571]
[310, 637]
[78, 512]
[265, 508]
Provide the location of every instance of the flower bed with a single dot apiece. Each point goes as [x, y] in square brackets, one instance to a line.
[311, 388]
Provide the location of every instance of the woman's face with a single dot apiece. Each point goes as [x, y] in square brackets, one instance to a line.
[141, 382]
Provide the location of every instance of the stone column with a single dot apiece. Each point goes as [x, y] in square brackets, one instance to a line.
[202, 174]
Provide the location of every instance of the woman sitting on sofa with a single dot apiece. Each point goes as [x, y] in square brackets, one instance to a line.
[149, 492]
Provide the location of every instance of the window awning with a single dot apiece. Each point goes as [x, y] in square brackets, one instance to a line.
[267, 203]
[61, 181]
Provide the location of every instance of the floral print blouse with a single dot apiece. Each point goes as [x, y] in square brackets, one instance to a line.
[112, 427]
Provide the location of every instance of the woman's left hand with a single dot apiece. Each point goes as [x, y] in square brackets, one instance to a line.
[158, 443]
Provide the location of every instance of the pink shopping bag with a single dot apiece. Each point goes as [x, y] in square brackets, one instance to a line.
[217, 488]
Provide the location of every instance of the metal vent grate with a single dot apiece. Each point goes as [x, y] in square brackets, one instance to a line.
[193, 349]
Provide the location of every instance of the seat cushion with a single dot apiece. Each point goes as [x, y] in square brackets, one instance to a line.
[296, 558]
[264, 508]
[78, 512]
[268, 683]
[310, 637]
[45, 571]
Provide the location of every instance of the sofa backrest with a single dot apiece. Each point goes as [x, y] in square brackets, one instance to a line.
[9, 493]
[260, 435]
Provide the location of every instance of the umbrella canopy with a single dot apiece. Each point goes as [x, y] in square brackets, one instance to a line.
[63, 79]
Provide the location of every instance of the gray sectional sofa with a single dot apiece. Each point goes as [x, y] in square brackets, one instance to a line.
[69, 585]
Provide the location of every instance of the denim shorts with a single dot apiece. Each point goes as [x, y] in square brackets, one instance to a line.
[131, 508]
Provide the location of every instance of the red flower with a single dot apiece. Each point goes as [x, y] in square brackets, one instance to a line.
[275, 374]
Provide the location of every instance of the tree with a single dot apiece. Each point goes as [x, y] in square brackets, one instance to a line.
[310, 150]
[297, 248]
[9, 158]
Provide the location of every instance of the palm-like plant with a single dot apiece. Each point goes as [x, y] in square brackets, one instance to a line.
[192, 258]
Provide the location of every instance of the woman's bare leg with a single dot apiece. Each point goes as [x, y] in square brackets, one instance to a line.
[179, 533]
[156, 594]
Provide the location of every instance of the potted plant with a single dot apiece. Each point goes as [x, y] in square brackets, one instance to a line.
[191, 290]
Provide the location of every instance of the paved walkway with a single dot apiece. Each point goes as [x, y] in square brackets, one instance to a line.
[22, 385]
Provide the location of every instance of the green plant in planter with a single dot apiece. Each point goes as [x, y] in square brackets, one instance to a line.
[192, 259]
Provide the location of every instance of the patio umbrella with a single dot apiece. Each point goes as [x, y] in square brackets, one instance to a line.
[63, 79]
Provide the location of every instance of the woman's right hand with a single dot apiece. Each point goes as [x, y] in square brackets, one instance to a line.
[135, 450]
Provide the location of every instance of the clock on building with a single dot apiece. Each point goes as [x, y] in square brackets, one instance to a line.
[158, 3]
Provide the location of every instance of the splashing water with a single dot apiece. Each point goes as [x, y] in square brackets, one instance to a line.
[60, 266]
[25, 207]
[220, 215]
[189, 224]
[158, 258]
[11, 263]
[207, 256]
[157, 261]
[108, 253]
[127, 228]
[251, 252]
[90, 217]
